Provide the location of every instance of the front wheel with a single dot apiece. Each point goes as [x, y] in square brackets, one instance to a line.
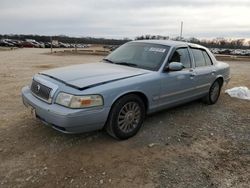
[214, 93]
[126, 117]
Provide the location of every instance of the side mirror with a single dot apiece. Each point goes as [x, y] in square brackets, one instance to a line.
[175, 66]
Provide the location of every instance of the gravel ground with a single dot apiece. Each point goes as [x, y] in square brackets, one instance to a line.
[194, 145]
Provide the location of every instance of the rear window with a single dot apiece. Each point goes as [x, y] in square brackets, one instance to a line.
[207, 58]
[198, 57]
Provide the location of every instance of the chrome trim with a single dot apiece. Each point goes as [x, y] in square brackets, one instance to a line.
[204, 85]
[44, 82]
[47, 101]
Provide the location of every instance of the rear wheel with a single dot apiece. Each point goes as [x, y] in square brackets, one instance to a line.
[126, 117]
[214, 93]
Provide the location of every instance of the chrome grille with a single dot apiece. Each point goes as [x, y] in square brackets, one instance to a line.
[40, 90]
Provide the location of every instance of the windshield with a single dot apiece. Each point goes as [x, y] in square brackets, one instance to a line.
[141, 55]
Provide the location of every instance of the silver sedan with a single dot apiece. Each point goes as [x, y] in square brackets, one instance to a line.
[138, 78]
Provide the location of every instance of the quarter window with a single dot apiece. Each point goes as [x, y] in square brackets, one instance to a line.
[182, 55]
[198, 58]
[207, 58]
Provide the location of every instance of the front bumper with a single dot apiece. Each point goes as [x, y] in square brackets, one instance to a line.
[65, 119]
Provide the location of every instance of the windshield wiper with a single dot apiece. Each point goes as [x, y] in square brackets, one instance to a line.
[127, 64]
[108, 60]
[121, 63]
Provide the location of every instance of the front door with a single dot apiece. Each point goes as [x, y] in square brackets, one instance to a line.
[177, 86]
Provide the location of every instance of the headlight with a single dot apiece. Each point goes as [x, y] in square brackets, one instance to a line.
[73, 101]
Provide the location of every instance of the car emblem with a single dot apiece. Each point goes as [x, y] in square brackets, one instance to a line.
[38, 88]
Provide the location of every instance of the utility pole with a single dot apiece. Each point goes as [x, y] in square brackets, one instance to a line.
[181, 30]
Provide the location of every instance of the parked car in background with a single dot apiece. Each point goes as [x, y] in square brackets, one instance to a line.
[63, 45]
[5, 43]
[13, 43]
[41, 44]
[27, 44]
[237, 52]
[31, 43]
[17, 43]
[138, 78]
[47, 45]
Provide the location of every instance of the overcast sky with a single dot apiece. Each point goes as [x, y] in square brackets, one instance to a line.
[127, 18]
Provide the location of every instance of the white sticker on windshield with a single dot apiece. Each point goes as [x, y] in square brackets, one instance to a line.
[153, 49]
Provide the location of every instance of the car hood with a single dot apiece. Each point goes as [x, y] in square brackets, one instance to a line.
[84, 76]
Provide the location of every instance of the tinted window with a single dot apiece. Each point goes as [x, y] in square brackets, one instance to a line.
[207, 58]
[181, 55]
[198, 58]
[143, 55]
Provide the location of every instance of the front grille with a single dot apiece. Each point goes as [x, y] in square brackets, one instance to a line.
[40, 90]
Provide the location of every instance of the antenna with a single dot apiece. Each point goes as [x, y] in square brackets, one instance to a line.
[181, 30]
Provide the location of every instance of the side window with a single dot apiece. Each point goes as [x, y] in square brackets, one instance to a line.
[182, 55]
[207, 58]
[198, 58]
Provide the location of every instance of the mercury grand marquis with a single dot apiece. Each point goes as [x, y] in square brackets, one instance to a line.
[138, 78]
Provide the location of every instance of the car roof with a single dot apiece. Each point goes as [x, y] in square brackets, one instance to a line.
[171, 43]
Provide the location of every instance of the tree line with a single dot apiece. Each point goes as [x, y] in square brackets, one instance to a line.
[223, 43]
[210, 43]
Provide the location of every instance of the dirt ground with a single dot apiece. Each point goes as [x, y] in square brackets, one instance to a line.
[194, 145]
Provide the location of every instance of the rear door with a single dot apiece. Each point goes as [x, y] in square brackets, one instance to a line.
[204, 70]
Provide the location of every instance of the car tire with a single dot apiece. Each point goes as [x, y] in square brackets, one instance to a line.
[126, 117]
[213, 94]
